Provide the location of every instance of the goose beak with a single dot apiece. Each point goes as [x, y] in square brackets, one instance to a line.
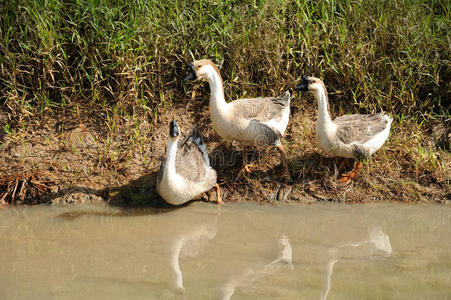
[190, 73]
[174, 129]
[303, 86]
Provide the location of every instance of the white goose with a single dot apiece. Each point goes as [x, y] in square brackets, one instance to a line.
[186, 172]
[351, 136]
[252, 122]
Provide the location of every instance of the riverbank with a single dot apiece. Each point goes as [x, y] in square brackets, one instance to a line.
[83, 163]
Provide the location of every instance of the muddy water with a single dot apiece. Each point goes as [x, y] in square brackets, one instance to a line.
[237, 251]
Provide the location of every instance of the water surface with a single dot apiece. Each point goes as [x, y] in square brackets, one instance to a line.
[236, 251]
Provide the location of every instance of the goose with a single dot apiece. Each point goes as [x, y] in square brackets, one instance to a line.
[355, 136]
[186, 172]
[252, 122]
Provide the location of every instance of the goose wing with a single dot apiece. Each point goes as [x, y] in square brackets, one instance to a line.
[261, 109]
[192, 161]
[360, 128]
[265, 134]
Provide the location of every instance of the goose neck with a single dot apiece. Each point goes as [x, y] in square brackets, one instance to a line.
[323, 108]
[217, 99]
[172, 154]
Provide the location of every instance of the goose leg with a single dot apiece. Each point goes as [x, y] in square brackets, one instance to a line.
[218, 194]
[284, 160]
[346, 179]
[246, 165]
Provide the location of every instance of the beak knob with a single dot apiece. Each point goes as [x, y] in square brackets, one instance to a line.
[303, 86]
[190, 73]
[174, 129]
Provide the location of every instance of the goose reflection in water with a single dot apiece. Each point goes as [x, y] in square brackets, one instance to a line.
[282, 263]
[189, 243]
[193, 240]
[377, 244]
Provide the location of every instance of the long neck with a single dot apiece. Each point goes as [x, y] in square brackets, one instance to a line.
[217, 100]
[172, 153]
[323, 108]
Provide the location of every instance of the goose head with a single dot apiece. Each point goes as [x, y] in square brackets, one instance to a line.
[200, 69]
[311, 84]
[174, 131]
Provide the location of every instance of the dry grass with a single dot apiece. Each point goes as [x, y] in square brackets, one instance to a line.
[23, 187]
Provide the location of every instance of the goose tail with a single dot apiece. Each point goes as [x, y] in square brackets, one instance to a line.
[286, 96]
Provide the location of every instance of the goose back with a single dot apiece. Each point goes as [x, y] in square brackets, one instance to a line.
[360, 128]
[261, 109]
[192, 161]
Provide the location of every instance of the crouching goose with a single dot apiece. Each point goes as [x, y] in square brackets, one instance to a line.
[186, 172]
[252, 122]
[350, 136]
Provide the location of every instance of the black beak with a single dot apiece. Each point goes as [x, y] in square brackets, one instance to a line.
[174, 129]
[303, 86]
[190, 73]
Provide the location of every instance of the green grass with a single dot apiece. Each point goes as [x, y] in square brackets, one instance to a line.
[129, 56]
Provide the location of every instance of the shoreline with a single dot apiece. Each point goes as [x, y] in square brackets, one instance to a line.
[77, 168]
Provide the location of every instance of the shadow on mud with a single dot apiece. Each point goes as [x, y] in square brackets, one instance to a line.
[136, 198]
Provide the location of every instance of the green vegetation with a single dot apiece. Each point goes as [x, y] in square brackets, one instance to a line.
[391, 55]
[106, 61]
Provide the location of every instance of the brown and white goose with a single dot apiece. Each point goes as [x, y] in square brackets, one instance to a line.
[186, 172]
[252, 122]
[352, 136]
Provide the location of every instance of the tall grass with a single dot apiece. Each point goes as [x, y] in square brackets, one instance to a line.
[128, 56]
